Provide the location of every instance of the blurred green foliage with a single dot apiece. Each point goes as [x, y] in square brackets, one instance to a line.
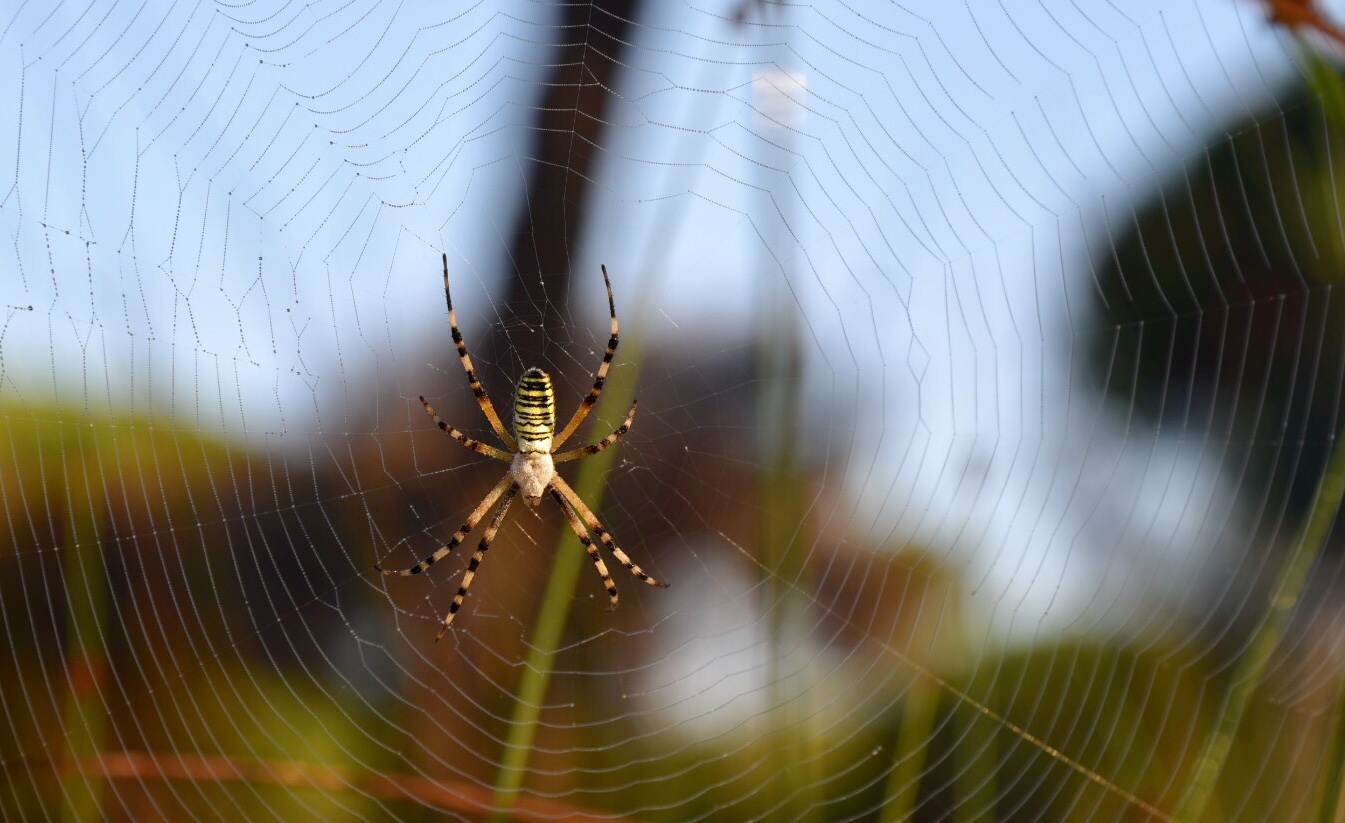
[126, 634]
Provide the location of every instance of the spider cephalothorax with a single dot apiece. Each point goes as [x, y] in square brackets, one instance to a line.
[532, 462]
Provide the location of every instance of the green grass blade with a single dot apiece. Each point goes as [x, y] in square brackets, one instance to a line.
[567, 563]
[85, 715]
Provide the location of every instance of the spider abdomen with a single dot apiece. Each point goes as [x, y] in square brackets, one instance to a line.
[534, 412]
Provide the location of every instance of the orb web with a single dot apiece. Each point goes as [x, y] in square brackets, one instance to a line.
[988, 385]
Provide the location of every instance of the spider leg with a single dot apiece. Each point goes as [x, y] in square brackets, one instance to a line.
[585, 451]
[482, 398]
[475, 445]
[472, 519]
[582, 534]
[558, 483]
[477, 557]
[599, 378]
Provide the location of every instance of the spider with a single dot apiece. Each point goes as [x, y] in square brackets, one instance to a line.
[532, 458]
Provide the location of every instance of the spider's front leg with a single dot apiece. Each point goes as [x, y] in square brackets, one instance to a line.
[475, 445]
[482, 398]
[585, 451]
[600, 376]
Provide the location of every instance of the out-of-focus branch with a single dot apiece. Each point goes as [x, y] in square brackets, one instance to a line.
[1302, 14]
[149, 767]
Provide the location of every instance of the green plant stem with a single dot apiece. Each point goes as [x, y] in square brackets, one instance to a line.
[547, 631]
[976, 788]
[567, 562]
[795, 780]
[1284, 596]
[1333, 764]
[920, 706]
[590, 484]
[85, 715]
[1330, 88]
[919, 712]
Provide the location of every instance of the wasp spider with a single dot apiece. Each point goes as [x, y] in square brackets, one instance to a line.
[532, 454]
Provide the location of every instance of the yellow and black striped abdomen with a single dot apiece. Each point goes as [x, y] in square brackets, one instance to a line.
[534, 411]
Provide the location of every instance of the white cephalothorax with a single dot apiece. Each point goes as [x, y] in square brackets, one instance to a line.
[533, 472]
[532, 462]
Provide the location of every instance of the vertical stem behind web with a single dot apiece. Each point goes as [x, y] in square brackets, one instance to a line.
[569, 134]
[1329, 87]
[782, 547]
[795, 788]
[85, 715]
[589, 485]
[1284, 596]
[1332, 806]
[568, 561]
[920, 715]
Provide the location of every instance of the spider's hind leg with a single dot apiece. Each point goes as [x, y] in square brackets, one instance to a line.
[591, 520]
[477, 557]
[582, 534]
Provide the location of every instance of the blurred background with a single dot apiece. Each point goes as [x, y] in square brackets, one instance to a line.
[989, 368]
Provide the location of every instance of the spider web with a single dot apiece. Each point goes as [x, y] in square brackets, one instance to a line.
[989, 375]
